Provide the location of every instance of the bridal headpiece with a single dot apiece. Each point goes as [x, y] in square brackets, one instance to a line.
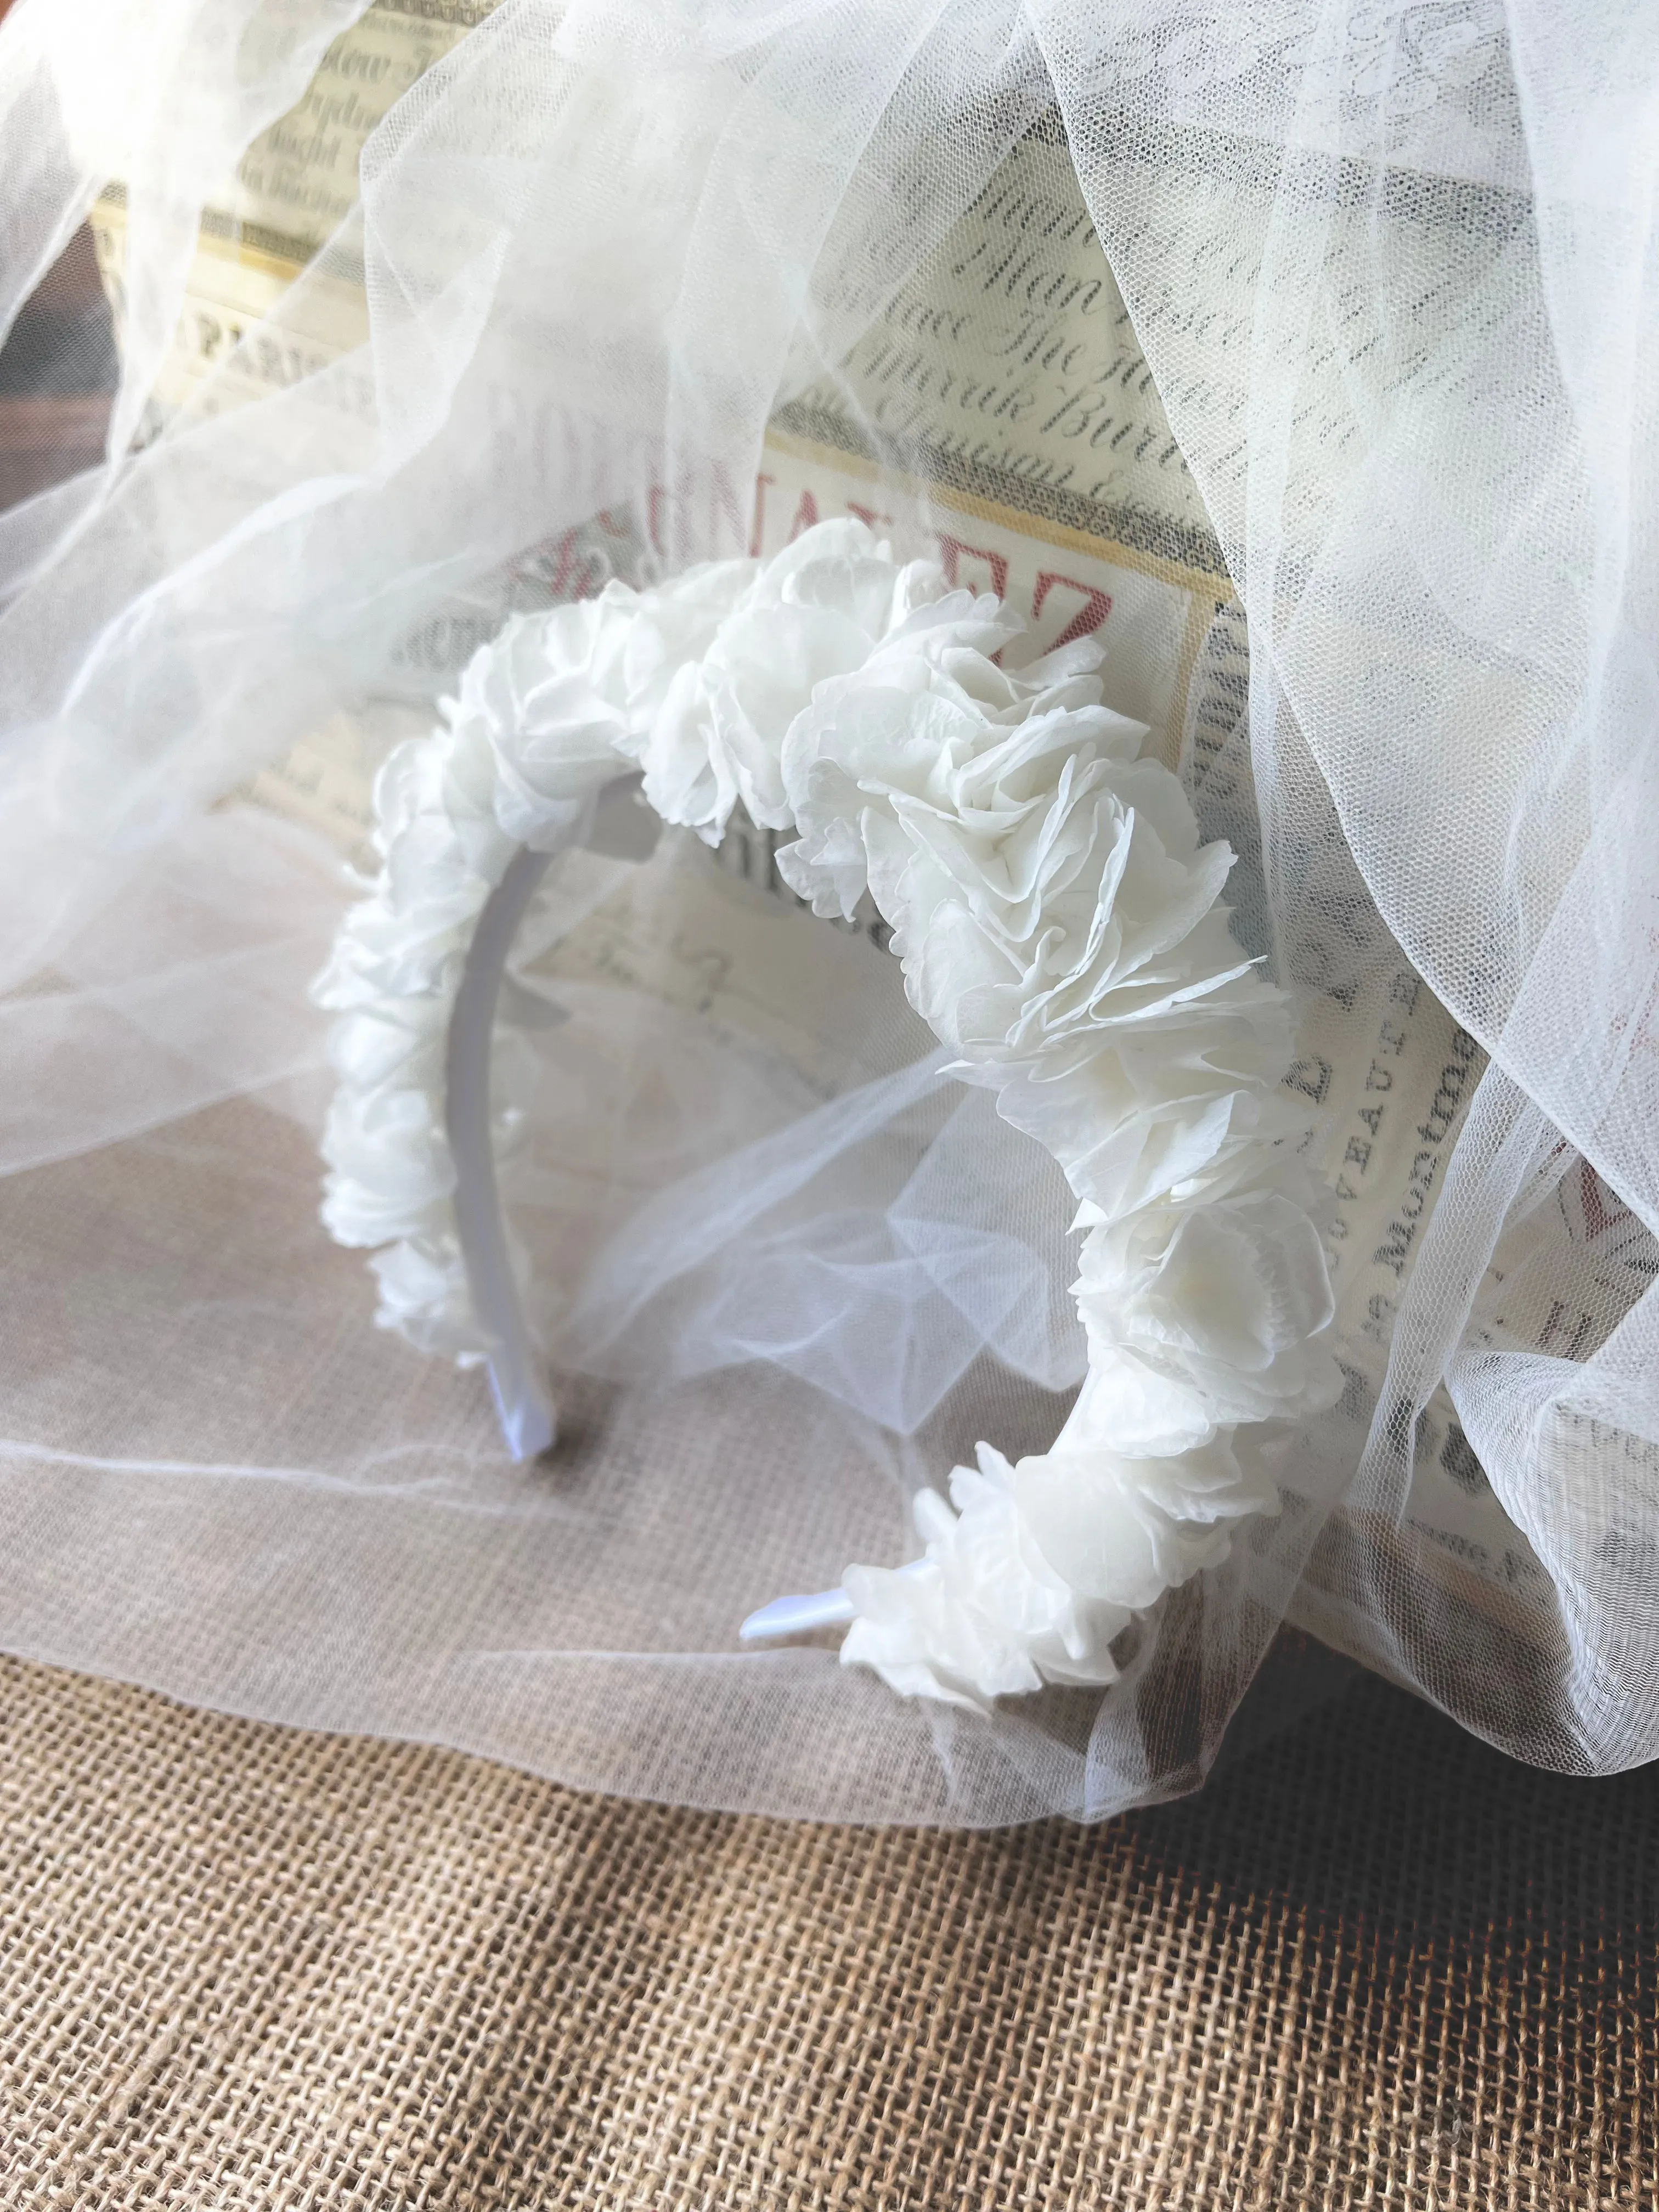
[1061, 930]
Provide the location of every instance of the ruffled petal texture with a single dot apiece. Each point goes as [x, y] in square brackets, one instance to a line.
[1060, 928]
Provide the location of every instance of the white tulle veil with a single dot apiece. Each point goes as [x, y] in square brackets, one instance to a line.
[1303, 351]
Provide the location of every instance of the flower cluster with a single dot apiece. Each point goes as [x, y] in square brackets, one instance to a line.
[391, 981]
[696, 683]
[1060, 927]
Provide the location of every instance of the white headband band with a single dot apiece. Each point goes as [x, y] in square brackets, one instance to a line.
[1060, 928]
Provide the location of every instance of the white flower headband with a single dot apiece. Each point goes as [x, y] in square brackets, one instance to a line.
[1060, 927]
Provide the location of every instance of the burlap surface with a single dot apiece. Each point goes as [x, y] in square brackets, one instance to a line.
[1372, 1964]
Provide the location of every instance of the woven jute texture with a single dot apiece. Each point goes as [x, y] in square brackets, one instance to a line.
[1371, 1964]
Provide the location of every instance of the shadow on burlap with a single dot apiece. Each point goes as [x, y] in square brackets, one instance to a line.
[1373, 1964]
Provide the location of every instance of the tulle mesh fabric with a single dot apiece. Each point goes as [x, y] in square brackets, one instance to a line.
[1306, 351]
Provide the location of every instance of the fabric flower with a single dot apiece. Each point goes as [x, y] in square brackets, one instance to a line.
[1207, 1313]
[1122, 1531]
[425, 1298]
[984, 1614]
[819, 609]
